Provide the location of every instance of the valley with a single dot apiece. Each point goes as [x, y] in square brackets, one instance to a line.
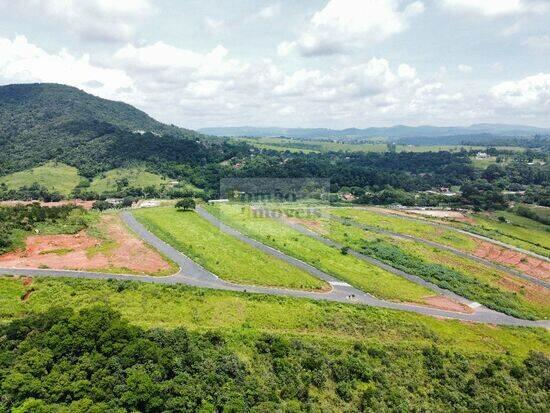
[332, 266]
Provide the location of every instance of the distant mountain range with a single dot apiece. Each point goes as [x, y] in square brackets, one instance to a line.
[395, 132]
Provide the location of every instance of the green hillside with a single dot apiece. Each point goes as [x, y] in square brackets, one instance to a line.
[45, 122]
[26, 108]
[128, 177]
[56, 177]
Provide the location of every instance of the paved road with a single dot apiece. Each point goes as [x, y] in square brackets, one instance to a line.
[472, 234]
[455, 251]
[192, 274]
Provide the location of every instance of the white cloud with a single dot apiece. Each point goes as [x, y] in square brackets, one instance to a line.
[531, 93]
[96, 20]
[213, 24]
[285, 48]
[465, 68]
[270, 11]
[541, 43]
[196, 89]
[342, 24]
[495, 8]
[512, 29]
[23, 62]
[497, 67]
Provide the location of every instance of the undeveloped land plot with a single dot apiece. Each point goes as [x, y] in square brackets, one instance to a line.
[529, 265]
[114, 249]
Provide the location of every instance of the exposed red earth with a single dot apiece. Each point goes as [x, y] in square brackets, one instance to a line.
[525, 263]
[121, 250]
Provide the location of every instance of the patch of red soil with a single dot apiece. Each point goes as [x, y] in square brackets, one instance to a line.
[127, 252]
[524, 263]
[78, 202]
[313, 225]
[445, 303]
[27, 281]
[531, 292]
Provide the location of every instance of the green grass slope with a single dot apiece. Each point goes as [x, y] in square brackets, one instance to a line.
[56, 177]
[225, 256]
[207, 351]
[134, 176]
[358, 273]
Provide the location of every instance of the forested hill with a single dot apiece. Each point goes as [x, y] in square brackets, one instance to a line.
[43, 122]
[29, 107]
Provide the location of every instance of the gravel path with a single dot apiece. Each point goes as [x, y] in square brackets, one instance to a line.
[194, 275]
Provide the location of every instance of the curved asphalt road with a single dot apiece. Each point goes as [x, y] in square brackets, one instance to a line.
[455, 251]
[192, 274]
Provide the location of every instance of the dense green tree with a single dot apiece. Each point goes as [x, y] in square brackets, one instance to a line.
[186, 204]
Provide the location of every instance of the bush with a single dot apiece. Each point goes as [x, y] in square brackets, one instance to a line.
[95, 361]
[186, 204]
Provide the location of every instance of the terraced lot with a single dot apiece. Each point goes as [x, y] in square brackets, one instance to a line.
[358, 273]
[527, 264]
[416, 229]
[222, 254]
[465, 277]
[518, 231]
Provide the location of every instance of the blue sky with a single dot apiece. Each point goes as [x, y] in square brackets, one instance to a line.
[314, 63]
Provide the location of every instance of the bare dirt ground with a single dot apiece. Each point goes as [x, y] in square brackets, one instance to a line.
[524, 263]
[120, 251]
[431, 213]
[78, 202]
[532, 292]
[445, 303]
[313, 225]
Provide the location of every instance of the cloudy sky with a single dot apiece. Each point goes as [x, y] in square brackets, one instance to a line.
[292, 63]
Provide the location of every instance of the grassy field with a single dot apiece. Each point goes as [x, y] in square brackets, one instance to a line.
[519, 231]
[224, 255]
[240, 314]
[465, 277]
[56, 177]
[312, 145]
[403, 226]
[136, 177]
[362, 275]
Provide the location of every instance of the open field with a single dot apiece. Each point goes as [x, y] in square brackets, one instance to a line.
[464, 242]
[225, 256]
[56, 177]
[319, 146]
[518, 231]
[358, 273]
[467, 278]
[132, 177]
[105, 246]
[150, 305]
[515, 230]
[417, 229]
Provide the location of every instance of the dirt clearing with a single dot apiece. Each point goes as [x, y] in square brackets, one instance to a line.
[77, 202]
[522, 262]
[116, 251]
[445, 303]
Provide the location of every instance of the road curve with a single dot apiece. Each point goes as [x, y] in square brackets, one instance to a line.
[455, 251]
[192, 274]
